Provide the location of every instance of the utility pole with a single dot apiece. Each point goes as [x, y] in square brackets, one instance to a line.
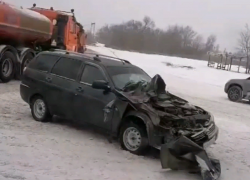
[93, 30]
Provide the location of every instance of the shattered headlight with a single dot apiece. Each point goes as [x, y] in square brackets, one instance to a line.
[211, 117]
[211, 120]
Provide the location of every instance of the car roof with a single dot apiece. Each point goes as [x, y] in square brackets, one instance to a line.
[95, 58]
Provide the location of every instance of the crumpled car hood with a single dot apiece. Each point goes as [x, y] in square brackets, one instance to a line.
[164, 108]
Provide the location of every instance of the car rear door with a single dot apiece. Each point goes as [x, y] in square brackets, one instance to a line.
[63, 82]
[36, 72]
[89, 104]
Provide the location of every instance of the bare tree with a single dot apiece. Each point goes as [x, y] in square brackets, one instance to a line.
[210, 44]
[244, 43]
[143, 36]
[197, 43]
[188, 34]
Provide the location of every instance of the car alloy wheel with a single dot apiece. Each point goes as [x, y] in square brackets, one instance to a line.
[235, 93]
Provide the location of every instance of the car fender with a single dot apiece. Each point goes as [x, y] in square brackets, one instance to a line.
[239, 84]
[146, 120]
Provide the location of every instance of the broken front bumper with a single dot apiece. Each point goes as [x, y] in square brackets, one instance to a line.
[213, 138]
[183, 153]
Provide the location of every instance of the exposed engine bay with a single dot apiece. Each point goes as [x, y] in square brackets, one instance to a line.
[190, 127]
[169, 111]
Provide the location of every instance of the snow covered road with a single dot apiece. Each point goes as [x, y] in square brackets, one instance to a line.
[62, 151]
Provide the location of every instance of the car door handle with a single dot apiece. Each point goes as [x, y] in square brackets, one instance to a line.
[48, 79]
[79, 89]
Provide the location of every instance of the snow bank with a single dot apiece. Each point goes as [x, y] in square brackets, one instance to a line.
[156, 64]
[99, 44]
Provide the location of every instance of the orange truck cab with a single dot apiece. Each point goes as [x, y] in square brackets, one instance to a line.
[66, 29]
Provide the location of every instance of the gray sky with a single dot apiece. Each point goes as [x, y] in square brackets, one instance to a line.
[225, 18]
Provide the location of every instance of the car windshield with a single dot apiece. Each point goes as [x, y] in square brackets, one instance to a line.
[122, 76]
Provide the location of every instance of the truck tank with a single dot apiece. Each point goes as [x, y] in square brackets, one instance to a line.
[17, 23]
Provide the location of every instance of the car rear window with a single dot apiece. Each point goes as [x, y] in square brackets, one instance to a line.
[67, 67]
[43, 62]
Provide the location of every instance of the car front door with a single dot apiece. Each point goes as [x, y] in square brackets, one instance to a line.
[63, 82]
[90, 103]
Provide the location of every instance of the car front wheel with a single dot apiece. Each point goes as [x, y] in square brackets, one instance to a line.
[133, 138]
[234, 93]
[40, 110]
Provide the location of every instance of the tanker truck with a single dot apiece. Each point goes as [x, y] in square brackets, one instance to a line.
[24, 32]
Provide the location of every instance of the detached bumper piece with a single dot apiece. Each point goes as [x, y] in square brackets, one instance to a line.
[182, 153]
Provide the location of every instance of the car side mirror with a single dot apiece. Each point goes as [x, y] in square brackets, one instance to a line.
[101, 84]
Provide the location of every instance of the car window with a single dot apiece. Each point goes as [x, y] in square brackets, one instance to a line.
[91, 73]
[123, 75]
[66, 67]
[43, 62]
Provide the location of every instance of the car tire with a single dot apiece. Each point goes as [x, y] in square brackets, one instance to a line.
[234, 93]
[133, 138]
[39, 110]
[7, 66]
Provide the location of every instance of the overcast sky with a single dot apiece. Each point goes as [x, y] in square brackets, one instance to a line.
[224, 18]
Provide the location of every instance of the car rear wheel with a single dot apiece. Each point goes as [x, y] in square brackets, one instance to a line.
[40, 110]
[234, 93]
[133, 138]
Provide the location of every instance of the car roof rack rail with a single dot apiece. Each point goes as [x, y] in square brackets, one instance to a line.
[66, 52]
[96, 55]
[100, 55]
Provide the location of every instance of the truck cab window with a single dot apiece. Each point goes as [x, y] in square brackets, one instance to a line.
[67, 68]
[43, 62]
[91, 73]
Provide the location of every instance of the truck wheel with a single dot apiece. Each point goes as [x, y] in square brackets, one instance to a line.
[28, 57]
[27, 60]
[133, 138]
[7, 66]
[234, 93]
[39, 109]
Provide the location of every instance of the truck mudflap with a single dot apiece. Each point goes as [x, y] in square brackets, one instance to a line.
[182, 153]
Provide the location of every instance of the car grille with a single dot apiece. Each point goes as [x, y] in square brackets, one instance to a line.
[206, 133]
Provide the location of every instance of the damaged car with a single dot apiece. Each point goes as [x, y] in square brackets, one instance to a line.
[124, 101]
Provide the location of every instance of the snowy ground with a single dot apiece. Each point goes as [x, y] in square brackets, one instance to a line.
[61, 151]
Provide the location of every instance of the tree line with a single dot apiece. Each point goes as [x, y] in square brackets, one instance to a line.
[143, 36]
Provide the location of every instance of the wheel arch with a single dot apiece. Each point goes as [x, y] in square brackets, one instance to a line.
[234, 84]
[33, 96]
[140, 119]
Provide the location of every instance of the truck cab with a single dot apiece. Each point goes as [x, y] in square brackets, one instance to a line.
[65, 29]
